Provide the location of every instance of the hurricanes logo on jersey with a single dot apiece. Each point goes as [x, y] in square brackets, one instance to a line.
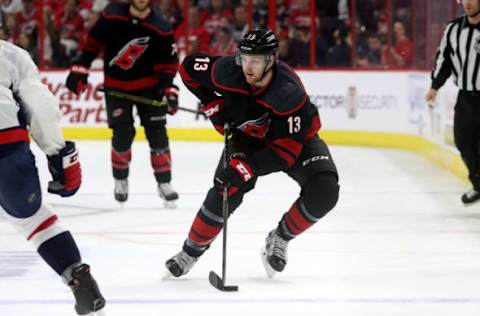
[477, 45]
[130, 53]
[256, 128]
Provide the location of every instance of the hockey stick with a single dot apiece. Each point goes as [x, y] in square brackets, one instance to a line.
[214, 278]
[144, 100]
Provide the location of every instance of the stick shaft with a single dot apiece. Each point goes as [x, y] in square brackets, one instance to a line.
[225, 206]
[144, 100]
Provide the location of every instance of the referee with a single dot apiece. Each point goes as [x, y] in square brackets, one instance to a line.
[459, 54]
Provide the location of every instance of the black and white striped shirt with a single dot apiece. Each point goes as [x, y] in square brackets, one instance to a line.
[459, 54]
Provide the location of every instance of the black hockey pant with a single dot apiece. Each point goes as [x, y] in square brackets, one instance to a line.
[466, 129]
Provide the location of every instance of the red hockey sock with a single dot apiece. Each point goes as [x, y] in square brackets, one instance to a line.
[202, 233]
[295, 221]
[205, 228]
[161, 162]
[121, 160]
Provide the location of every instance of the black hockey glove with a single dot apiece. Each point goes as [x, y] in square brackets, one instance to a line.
[171, 97]
[66, 171]
[77, 79]
[235, 175]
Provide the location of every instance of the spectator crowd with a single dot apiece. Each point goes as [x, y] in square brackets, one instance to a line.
[342, 38]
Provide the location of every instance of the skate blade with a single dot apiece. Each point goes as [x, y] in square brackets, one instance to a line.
[101, 312]
[270, 271]
[98, 313]
[167, 275]
[475, 203]
[170, 204]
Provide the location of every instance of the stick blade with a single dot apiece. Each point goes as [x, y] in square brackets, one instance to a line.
[230, 288]
[217, 282]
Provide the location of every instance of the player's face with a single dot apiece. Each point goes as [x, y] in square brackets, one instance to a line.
[253, 67]
[141, 5]
[471, 7]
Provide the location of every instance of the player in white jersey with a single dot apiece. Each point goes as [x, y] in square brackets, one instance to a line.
[27, 103]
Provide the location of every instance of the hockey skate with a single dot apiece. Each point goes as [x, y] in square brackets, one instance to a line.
[121, 190]
[168, 195]
[88, 298]
[470, 197]
[180, 264]
[274, 254]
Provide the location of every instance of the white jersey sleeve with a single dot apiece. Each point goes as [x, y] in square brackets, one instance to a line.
[37, 103]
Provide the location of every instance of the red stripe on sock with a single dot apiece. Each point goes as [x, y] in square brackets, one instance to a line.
[291, 225]
[161, 162]
[46, 223]
[201, 229]
[121, 160]
[198, 239]
[298, 218]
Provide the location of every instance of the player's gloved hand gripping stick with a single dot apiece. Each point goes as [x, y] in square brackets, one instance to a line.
[215, 280]
[170, 95]
[235, 175]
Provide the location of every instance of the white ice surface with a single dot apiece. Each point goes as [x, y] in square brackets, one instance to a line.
[399, 242]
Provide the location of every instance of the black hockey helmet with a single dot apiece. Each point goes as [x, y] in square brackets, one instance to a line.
[259, 41]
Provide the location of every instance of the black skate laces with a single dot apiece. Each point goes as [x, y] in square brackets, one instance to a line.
[185, 260]
[121, 186]
[166, 188]
[279, 247]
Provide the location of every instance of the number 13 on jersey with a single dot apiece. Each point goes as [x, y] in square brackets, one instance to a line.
[201, 63]
[294, 124]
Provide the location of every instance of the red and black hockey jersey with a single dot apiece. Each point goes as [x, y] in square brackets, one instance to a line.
[278, 119]
[138, 53]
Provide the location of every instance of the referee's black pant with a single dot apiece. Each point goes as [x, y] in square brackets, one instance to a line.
[466, 131]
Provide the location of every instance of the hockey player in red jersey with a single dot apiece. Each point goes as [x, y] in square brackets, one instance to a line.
[139, 58]
[29, 108]
[274, 128]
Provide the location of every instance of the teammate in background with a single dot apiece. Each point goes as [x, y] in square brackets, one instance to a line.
[139, 58]
[27, 102]
[459, 54]
[274, 128]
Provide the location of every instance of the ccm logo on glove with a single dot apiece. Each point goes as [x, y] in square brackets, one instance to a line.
[242, 168]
